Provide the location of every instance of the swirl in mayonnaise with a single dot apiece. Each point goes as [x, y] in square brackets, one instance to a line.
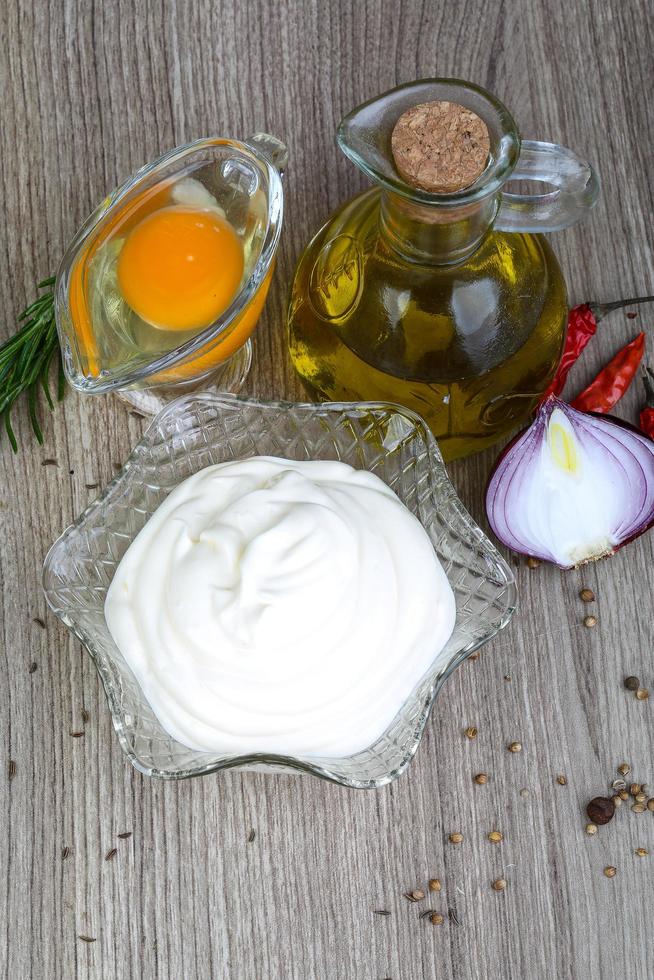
[280, 607]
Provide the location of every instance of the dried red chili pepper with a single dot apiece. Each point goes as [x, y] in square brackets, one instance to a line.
[613, 380]
[582, 324]
[647, 414]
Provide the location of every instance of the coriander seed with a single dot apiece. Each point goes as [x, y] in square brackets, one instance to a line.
[533, 562]
[624, 768]
[436, 919]
[635, 789]
[481, 778]
[642, 694]
[514, 747]
[623, 794]
[587, 595]
[618, 784]
[616, 800]
[650, 803]
[417, 895]
[641, 852]
[638, 808]
[610, 871]
[591, 828]
[641, 797]
[495, 837]
[471, 732]
[434, 885]
[561, 780]
[590, 621]
[631, 683]
[499, 884]
[455, 838]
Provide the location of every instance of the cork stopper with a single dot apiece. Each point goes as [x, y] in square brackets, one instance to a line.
[440, 147]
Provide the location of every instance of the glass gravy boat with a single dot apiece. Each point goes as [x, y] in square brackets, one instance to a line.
[105, 345]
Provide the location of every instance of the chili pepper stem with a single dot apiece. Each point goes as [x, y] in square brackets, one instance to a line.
[600, 310]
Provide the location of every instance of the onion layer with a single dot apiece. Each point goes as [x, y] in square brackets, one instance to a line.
[573, 487]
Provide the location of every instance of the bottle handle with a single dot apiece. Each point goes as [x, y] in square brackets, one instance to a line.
[275, 152]
[576, 189]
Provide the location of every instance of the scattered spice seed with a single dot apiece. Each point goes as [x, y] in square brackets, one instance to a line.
[453, 916]
[514, 747]
[87, 939]
[641, 798]
[91, 486]
[631, 315]
[474, 656]
[623, 794]
[11, 769]
[471, 732]
[591, 829]
[495, 837]
[590, 621]
[65, 852]
[616, 800]
[641, 852]
[111, 854]
[455, 838]
[624, 768]
[85, 715]
[631, 683]
[638, 808]
[481, 778]
[610, 871]
[436, 919]
[380, 912]
[499, 884]
[650, 803]
[587, 595]
[600, 810]
[252, 835]
[533, 562]
[136, 415]
[39, 622]
[417, 895]
[561, 780]
[33, 667]
[409, 897]
[434, 885]
[635, 789]
[618, 784]
[125, 834]
[49, 462]
[507, 677]
[524, 793]
[642, 694]
[77, 734]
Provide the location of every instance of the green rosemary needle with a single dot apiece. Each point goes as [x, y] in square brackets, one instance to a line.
[25, 361]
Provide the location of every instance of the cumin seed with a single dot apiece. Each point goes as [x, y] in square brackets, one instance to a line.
[111, 854]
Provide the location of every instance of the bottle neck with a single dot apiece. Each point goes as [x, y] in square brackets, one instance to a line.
[435, 235]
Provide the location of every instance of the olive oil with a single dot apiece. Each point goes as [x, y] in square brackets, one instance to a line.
[452, 319]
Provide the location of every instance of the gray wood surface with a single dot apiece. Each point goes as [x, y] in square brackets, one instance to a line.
[90, 91]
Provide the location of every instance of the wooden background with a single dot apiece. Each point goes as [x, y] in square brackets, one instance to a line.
[89, 92]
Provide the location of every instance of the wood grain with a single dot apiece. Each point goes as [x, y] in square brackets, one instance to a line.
[89, 92]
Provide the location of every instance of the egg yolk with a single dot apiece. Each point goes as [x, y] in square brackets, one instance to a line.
[180, 268]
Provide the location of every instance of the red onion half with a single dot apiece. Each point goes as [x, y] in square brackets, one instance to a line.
[573, 487]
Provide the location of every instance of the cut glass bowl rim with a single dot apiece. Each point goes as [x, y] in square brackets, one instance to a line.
[433, 680]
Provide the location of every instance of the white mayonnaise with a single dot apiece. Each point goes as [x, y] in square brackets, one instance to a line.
[279, 606]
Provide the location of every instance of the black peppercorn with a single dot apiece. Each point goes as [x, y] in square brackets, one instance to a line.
[631, 683]
[600, 810]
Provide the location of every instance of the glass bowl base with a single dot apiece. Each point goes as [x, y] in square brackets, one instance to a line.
[227, 379]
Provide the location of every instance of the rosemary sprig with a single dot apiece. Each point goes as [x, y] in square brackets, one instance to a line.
[25, 361]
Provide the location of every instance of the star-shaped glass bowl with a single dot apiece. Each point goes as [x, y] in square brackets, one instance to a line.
[201, 429]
